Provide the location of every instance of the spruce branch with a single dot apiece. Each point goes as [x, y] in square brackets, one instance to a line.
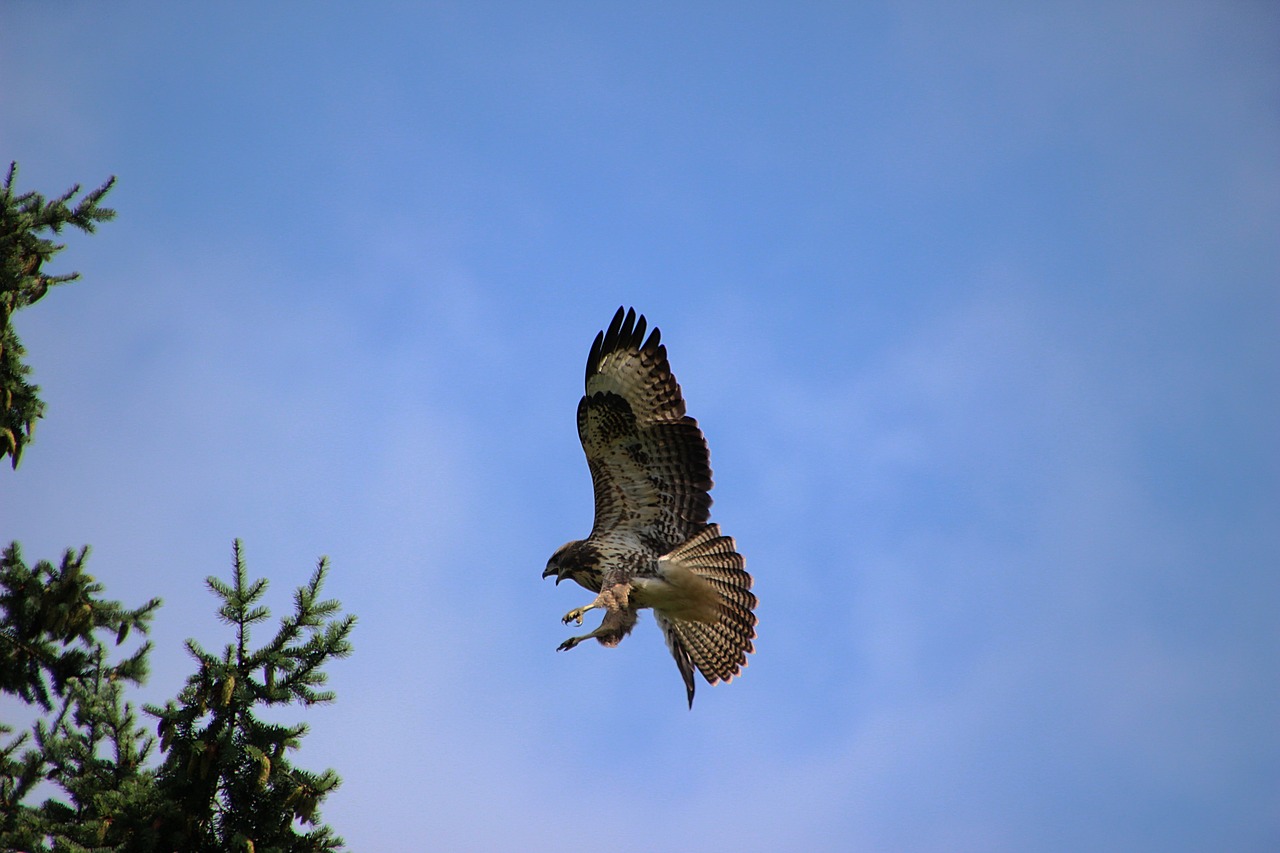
[228, 771]
[26, 222]
[56, 637]
[50, 621]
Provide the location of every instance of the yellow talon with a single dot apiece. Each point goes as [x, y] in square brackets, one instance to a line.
[575, 615]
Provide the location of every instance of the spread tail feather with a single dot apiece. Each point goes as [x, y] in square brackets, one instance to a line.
[704, 606]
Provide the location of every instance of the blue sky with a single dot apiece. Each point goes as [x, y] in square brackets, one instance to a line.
[978, 306]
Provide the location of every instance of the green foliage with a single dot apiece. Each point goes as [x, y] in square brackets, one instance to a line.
[55, 641]
[227, 771]
[225, 782]
[52, 619]
[26, 221]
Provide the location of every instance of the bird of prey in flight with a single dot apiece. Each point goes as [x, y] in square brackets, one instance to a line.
[651, 544]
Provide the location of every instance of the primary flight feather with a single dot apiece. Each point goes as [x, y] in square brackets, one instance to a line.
[651, 545]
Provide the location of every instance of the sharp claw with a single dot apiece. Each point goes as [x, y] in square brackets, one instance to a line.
[574, 615]
[568, 644]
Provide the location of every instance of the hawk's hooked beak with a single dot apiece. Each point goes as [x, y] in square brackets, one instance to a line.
[549, 571]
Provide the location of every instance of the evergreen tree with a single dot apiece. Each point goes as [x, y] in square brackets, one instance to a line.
[26, 221]
[55, 655]
[224, 780]
[227, 772]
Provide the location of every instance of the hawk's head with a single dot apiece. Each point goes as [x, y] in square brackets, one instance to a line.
[576, 561]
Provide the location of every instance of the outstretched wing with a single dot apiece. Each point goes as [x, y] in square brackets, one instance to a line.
[649, 461]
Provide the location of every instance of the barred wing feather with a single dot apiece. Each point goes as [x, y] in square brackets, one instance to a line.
[649, 461]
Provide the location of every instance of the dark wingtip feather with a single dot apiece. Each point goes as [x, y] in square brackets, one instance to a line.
[593, 359]
[625, 332]
[604, 343]
[617, 328]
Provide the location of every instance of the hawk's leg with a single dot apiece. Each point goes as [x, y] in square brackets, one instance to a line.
[617, 621]
[573, 641]
[576, 614]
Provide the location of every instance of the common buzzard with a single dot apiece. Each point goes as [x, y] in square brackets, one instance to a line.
[651, 545]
